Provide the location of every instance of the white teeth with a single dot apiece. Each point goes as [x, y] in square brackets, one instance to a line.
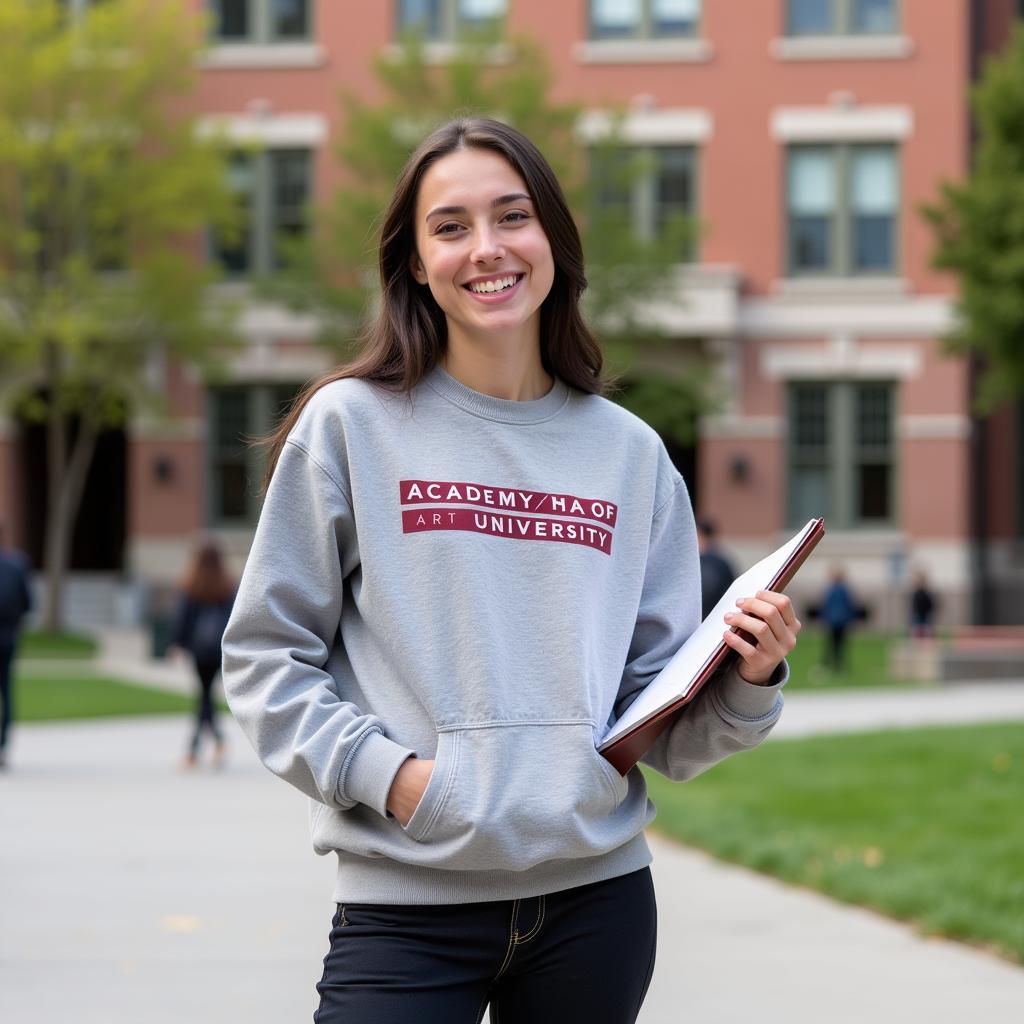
[494, 286]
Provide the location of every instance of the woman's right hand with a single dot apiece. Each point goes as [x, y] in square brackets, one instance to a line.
[408, 787]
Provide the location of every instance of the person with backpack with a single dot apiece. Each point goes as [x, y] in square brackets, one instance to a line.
[923, 605]
[207, 596]
[716, 571]
[15, 603]
[838, 612]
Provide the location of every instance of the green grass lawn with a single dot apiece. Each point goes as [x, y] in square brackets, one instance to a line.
[924, 825]
[42, 698]
[40, 644]
[867, 657]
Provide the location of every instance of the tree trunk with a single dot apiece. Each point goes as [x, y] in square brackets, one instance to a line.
[54, 559]
[61, 518]
[66, 479]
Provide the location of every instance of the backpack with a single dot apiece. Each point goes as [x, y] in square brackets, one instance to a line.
[208, 631]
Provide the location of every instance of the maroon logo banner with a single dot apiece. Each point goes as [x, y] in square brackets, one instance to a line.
[508, 499]
[587, 521]
[499, 524]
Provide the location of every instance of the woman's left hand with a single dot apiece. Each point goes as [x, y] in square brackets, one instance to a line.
[770, 619]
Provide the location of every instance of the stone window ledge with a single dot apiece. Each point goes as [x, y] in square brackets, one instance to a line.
[842, 48]
[263, 56]
[642, 51]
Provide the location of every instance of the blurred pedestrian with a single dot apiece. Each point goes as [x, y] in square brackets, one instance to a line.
[838, 611]
[716, 571]
[207, 596]
[15, 603]
[923, 605]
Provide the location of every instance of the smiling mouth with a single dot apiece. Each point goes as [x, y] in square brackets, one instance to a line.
[501, 284]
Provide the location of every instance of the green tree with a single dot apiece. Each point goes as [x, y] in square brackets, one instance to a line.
[333, 273]
[979, 230]
[105, 186]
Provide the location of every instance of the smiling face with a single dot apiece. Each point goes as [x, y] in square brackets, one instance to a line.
[480, 246]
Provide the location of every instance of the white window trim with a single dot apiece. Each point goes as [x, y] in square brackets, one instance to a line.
[832, 287]
[642, 51]
[842, 357]
[746, 428]
[837, 124]
[701, 303]
[672, 126]
[276, 130]
[947, 427]
[925, 316]
[263, 322]
[261, 55]
[859, 47]
[261, 361]
[440, 52]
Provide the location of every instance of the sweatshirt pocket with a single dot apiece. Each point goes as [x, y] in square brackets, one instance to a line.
[511, 795]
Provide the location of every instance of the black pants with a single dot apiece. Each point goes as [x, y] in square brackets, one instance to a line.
[205, 713]
[6, 690]
[583, 954]
[836, 646]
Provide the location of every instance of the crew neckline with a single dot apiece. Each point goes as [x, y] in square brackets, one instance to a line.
[503, 410]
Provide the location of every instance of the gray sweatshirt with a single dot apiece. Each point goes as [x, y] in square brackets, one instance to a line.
[484, 582]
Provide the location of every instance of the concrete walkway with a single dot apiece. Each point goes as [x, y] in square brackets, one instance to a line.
[134, 893]
[125, 655]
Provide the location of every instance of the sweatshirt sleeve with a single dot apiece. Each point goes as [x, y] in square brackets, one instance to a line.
[279, 636]
[729, 714]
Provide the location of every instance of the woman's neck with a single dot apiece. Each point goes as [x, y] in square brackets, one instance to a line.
[513, 374]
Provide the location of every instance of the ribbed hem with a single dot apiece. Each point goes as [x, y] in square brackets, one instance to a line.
[373, 768]
[750, 701]
[366, 880]
[499, 409]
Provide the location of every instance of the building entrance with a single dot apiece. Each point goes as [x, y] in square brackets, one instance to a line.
[98, 539]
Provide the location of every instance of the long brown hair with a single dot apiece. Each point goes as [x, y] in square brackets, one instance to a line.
[409, 334]
[206, 581]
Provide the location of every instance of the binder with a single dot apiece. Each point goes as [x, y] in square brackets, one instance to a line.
[701, 656]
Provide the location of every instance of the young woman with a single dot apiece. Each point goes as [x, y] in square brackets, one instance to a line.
[207, 593]
[467, 564]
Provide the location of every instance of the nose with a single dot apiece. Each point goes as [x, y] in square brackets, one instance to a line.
[487, 246]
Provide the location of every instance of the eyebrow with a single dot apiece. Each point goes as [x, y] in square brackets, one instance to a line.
[512, 197]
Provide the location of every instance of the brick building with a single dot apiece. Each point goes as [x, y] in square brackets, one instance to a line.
[803, 134]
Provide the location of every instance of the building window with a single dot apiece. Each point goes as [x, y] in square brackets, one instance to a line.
[644, 19]
[237, 414]
[260, 21]
[842, 453]
[843, 206]
[651, 188]
[448, 20]
[272, 189]
[842, 17]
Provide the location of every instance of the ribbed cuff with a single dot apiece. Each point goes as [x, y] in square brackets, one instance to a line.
[371, 771]
[751, 700]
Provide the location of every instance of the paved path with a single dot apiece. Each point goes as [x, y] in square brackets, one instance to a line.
[834, 711]
[133, 894]
[125, 655]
